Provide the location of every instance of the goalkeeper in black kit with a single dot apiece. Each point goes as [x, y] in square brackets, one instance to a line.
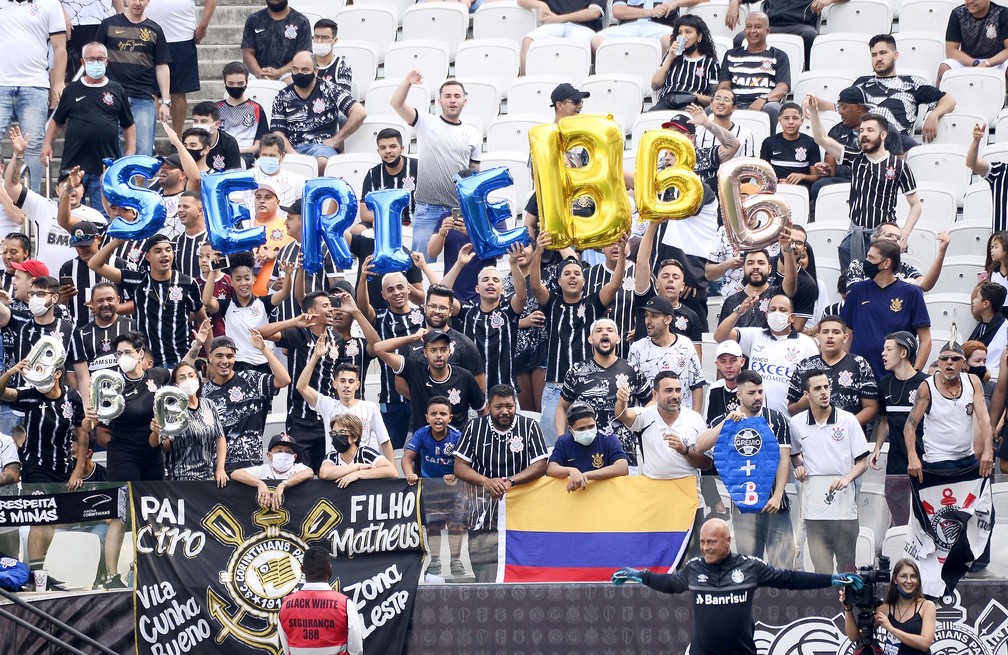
[723, 585]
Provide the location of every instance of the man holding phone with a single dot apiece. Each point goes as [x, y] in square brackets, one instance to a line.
[450, 236]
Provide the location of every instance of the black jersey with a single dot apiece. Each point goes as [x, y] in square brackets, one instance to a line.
[93, 343]
[896, 399]
[495, 334]
[162, 312]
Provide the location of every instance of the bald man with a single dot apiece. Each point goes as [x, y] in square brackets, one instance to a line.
[723, 586]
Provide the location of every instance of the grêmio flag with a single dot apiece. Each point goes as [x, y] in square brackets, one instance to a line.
[213, 567]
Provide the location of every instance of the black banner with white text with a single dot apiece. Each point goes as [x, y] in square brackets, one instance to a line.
[213, 567]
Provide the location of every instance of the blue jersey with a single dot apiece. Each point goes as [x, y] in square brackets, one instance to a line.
[873, 312]
[606, 449]
[437, 458]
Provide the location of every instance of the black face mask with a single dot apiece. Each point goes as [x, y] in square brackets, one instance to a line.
[979, 371]
[277, 7]
[303, 80]
[692, 49]
[870, 270]
[394, 163]
[195, 154]
[235, 91]
[340, 443]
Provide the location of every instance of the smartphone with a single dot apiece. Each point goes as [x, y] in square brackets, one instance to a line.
[66, 281]
[220, 264]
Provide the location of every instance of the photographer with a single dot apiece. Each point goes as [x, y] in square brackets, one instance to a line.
[906, 616]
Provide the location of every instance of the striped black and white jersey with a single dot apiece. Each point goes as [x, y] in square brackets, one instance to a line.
[874, 185]
[92, 343]
[300, 342]
[705, 139]
[320, 281]
[752, 75]
[687, 75]
[495, 334]
[378, 177]
[497, 454]
[390, 325]
[49, 429]
[568, 325]
[997, 176]
[31, 332]
[624, 305]
[84, 280]
[193, 454]
[162, 312]
[187, 253]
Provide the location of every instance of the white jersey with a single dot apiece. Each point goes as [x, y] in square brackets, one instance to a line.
[52, 242]
[658, 460]
[444, 149]
[650, 359]
[368, 412]
[775, 359]
[948, 423]
[176, 17]
[24, 32]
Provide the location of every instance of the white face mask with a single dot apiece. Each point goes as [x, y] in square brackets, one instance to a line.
[127, 364]
[585, 437]
[321, 49]
[37, 306]
[778, 321]
[282, 462]
[189, 386]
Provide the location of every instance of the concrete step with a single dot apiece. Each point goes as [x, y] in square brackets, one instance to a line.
[235, 13]
[223, 34]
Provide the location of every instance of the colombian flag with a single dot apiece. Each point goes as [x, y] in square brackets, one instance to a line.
[549, 535]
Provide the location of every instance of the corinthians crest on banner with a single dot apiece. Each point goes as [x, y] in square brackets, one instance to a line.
[213, 567]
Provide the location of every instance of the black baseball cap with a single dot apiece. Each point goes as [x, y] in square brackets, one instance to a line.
[660, 305]
[853, 95]
[680, 123]
[282, 439]
[567, 91]
[343, 286]
[154, 240]
[172, 160]
[223, 342]
[293, 208]
[84, 233]
[436, 335]
[579, 409]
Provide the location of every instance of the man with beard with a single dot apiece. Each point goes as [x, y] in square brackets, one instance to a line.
[306, 113]
[395, 171]
[91, 346]
[876, 177]
[74, 296]
[437, 311]
[432, 376]
[271, 38]
[851, 108]
[290, 253]
[495, 453]
[669, 283]
[852, 383]
[762, 286]
[166, 300]
[596, 380]
[665, 350]
[722, 107]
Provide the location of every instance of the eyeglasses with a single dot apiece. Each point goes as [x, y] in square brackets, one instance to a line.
[95, 60]
[39, 294]
[125, 353]
[342, 434]
[951, 358]
[798, 244]
[322, 39]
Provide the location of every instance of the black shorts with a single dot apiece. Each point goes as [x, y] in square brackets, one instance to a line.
[184, 67]
[32, 474]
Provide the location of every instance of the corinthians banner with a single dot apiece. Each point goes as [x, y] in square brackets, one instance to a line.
[213, 567]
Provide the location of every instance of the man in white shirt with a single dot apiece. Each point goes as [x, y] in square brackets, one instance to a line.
[664, 350]
[829, 452]
[280, 465]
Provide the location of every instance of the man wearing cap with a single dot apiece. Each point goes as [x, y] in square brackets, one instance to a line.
[445, 145]
[166, 300]
[51, 237]
[582, 454]
[93, 111]
[91, 346]
[437, 311]
[897, 391]
[665, 350]
[306, 113]
[759, 74]
[851, 105]
[321, 280]
[268, 215]
[596, 381]
[242, 399]
[577, 20]
[179, 172]
[708, 159]
[433, 376]
[279, 464]
[84, 239]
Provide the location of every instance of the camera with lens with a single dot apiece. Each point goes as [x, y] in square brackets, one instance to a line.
[866, 600]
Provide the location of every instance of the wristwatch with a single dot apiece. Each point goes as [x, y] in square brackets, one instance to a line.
[976, 62]
[511, 480]
[167, 103]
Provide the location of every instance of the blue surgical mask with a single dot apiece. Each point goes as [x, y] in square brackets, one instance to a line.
[95, 69]
[268, 165]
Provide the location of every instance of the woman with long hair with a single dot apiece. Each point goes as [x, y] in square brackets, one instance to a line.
[996, 263]
[906, 617]
[689, 72]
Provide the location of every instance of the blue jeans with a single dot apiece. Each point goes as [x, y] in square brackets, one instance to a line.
[8, 419]
[397, 418]
[145, 119]
[29, 106]
[425, 221]
[93, 193]
[767, 536]
[316, 150]
[550, 400]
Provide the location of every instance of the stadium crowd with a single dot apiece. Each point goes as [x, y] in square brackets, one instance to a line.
[579, 365]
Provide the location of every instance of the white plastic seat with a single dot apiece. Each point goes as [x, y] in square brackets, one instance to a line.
[379, 97]
[375, 24]
[304, 165]
[400, 6]
[324, 8]
[503, 20]
[994, 152]
[566, 58]
[619, 95]
[976, 90]
[530, 96]
[793, 46]
[859, 16]
[873, 511]
[445, 22]
[825, 239]
[827, 270]
[958, 275]
[939, 206]
[798, 199]
[510, 132]
[495, 59]
[864, 550]
[925, 15]
[978, 205]
[483, 100]
[956, 129]
[364, 140]
[825, 84]
[651, 120]
[921, 247]
[73, 558]
[713, 13]
[921, 51]
[1001, 127]
[848, 51]
[757, 122]
[940, 164]
[637, 57]
[362, 57]
[968, 238]
[352, 168]
[949, 307]
[828, 120]
[517, 164]
[263, 92]
[831, 206]
[428, 57]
